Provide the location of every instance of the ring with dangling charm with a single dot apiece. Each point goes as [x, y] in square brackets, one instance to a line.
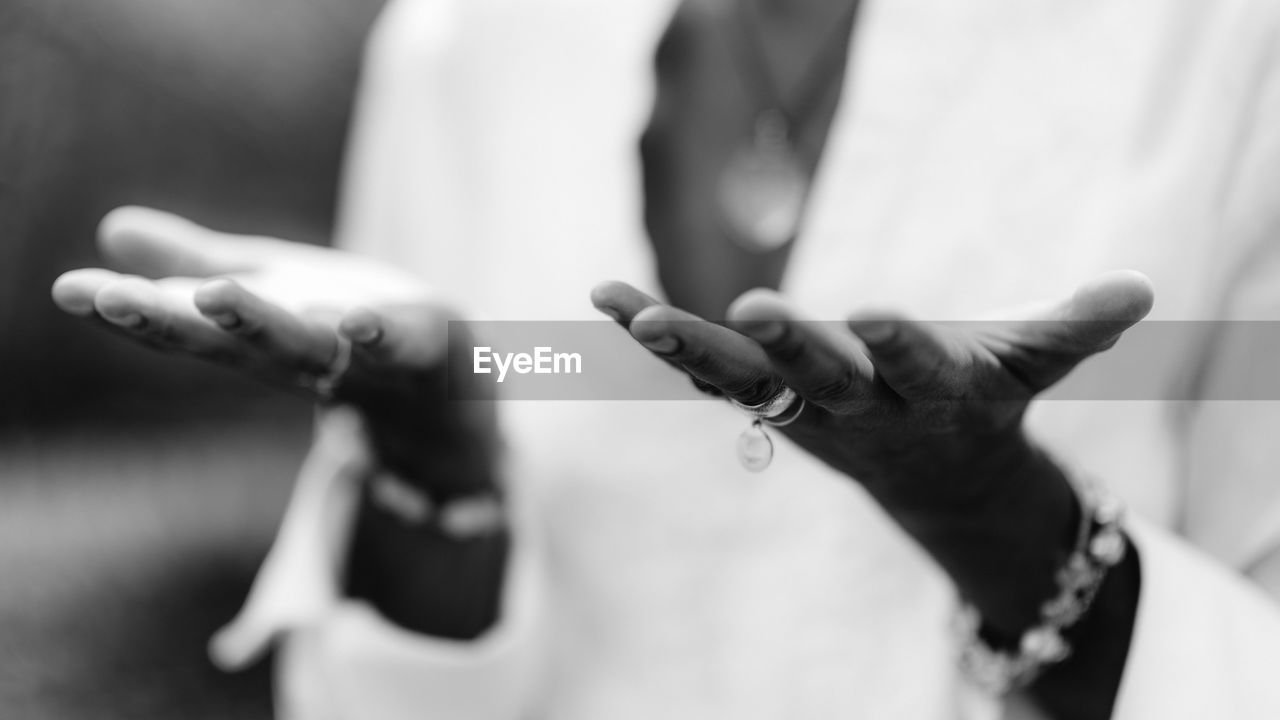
[755, 447]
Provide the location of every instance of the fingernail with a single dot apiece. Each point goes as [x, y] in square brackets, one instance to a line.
[227, 320]
[875, 332]
[364, 334]
[663, 344]
[611, 312]
[764, 331]
[132, 321]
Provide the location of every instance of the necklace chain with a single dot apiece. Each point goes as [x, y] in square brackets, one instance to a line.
[773, 111]
[764, 186]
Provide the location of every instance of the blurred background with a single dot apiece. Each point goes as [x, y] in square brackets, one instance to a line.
[119, 553]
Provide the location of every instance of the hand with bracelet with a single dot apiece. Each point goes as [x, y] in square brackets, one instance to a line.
[345, 330]
[928, 418]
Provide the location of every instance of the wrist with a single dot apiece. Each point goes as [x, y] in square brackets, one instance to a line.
[1089, 681]
[436, 569]
[1099, 547]
[1000, 523]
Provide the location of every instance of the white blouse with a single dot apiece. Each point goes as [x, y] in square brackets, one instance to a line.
[986, 153]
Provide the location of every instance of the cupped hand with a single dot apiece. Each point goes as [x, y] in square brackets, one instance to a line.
[926, 416]
[280, 311]
[904, 406]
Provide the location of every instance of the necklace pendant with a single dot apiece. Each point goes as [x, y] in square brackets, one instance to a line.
[763, 188]
[755, 449]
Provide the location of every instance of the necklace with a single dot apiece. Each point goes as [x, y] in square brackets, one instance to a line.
[764, 187]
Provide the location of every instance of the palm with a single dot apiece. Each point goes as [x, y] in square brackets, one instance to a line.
[889, 398]
[278, 310]
[939, 396]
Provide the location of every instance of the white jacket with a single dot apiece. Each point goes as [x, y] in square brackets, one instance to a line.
[986, 153]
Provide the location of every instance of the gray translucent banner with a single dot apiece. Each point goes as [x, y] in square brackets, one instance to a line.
[598, 360]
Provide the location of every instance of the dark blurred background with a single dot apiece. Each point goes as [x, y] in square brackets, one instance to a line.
[138, 492]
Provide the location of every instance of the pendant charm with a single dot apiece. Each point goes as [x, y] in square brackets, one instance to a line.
[755, 449]
[762, 190]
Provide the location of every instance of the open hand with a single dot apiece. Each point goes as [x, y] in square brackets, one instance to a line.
[926, 416]
[281, 312]
[892, 402]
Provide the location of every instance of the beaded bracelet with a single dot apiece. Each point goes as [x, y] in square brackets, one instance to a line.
[1100, 545]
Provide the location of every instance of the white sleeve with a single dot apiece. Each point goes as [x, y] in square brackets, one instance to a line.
[339, 659]
[1207, 638]
[400, 200]
[1206, 642]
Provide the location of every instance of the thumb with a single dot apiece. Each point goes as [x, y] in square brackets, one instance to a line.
[413, 336]
[158, 244]
[1101, 310]
[1089, 322]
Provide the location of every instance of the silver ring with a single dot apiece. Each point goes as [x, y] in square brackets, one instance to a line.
[787, 421]
[771, 408]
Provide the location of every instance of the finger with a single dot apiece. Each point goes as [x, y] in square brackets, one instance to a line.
[1101, 310]
[620, 301]
[411, 336]
[157, 244]
[827, 369]
[162, 318]
[913, 358]
[1043, 350]
[714, 354]
[292, 343]
[74, 291]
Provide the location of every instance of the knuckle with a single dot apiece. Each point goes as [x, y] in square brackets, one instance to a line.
[835, 388]
[754, 390]
[695, 357]
[706, 387]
